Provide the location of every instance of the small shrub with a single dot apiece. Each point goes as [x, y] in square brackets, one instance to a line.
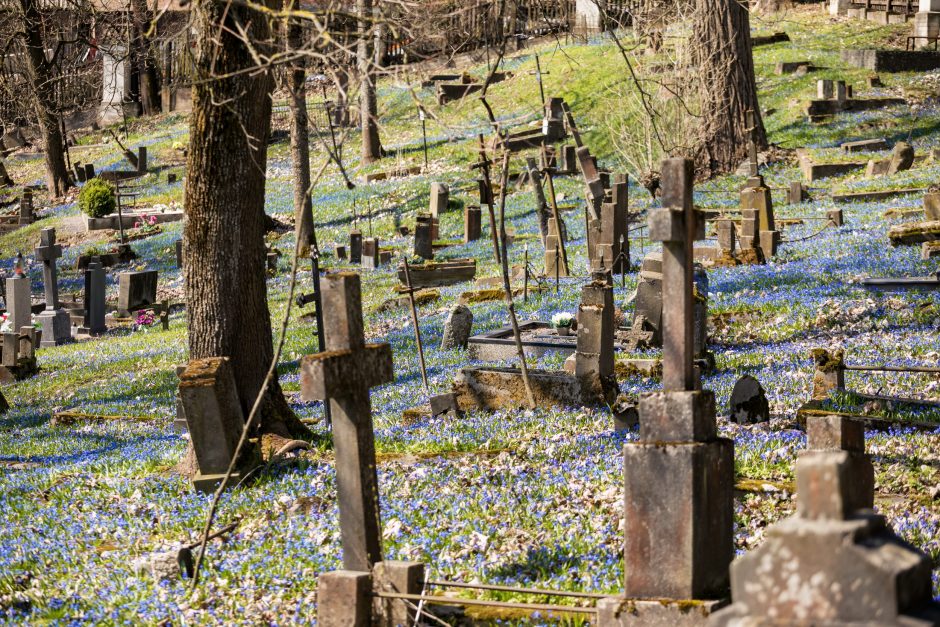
[96, 199]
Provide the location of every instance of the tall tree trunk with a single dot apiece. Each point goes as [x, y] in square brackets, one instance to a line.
[300, 144]
[723, 53]
[368, 105]
[40, 77]
[224, 246]
[145, 58]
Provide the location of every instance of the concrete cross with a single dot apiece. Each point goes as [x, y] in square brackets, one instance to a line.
[344, 374]
[47, 252]
[677, 225]
[752, 143]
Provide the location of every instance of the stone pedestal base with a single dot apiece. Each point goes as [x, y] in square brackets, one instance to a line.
[503, 388]
[926, 24]
[620, 612]
[679, 517]
[56, 328]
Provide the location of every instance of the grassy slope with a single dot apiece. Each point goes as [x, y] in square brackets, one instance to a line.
[524, 497]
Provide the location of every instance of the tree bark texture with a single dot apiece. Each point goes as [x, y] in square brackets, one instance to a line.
[300, 144]
[224, 248]
[41, 81]
[368, 104]
[723, 53]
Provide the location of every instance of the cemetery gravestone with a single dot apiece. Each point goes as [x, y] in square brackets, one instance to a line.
[472, 218]
[457, 328]
[94, 322]
[835, 561]
[215, 421]
[678, 502]
[370, 253]
[932, 206]
[18, 300]
[136, 290]
[424, 244]
[594, 358]
[344, 375]
[55, 321]
[440, 196]
[726, 235]
[355, 247]
[26, 207]
[748, 404]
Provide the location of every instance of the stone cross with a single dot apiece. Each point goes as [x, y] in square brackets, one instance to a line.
[56, 324]
[835, 562]
[677, 225]
[679, 475]
[47, 252]
[753, 167]
[344, 375]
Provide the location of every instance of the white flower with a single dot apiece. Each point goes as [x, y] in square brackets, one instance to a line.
[562, 319]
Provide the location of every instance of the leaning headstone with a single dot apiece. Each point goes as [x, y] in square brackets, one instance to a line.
[902, 158]
[215, 420]
[424, 243]
[769, 243]
[796, 193]
[340, 252]
[457, 328]
[89, 171]
[834, 217]
[79, 172]
[94, 322]
[472, 217]
[679, 475]
[748, 404]
[136, 290]
[835, 562]
[18, 300]
[55, 321]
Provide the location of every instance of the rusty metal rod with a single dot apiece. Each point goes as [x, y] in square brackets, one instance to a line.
[441, 600]
[926, 369]
[484, 586]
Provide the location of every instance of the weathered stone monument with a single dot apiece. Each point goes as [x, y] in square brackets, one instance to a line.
[344, 375]
[94, 322]
[26, 206]
[748, 403]
[927, 22]
[55, 321]
[355, 247]
[472, 218]
[457, 328]
[136, 290]
[440, 196]
[679, 475]
[607, 233]
[835, 562]
[371, 255]
[214, 417]
[756, 194]
[424, 240]
[18, 299]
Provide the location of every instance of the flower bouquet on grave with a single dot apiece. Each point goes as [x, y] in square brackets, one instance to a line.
[144, 227]
[146, 318]
[562, 322]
